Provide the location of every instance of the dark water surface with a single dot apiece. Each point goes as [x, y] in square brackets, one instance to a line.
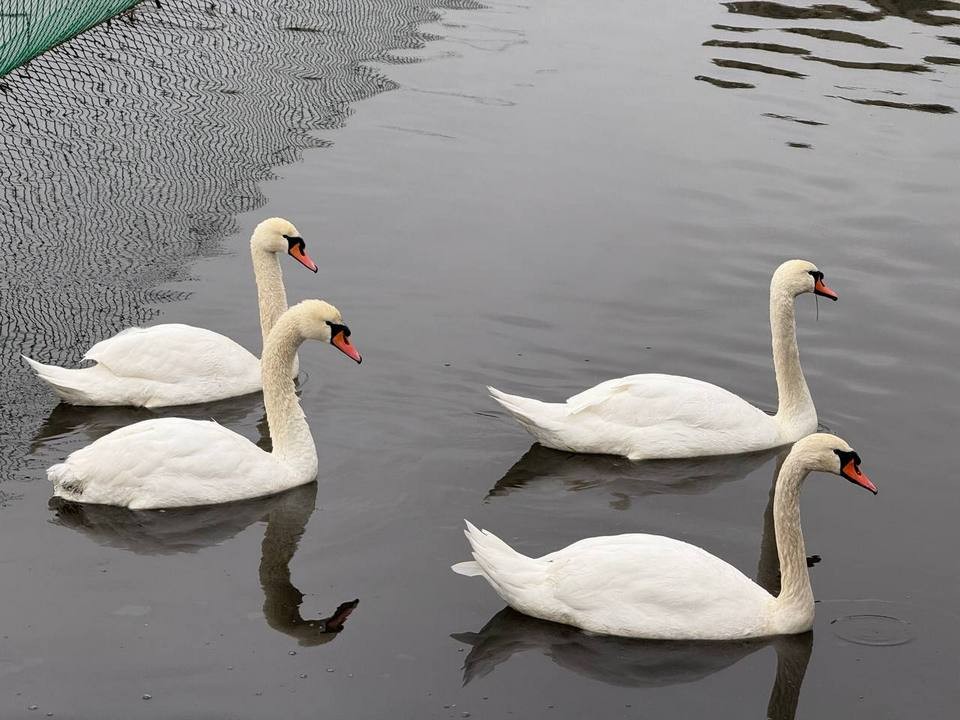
[548, 199]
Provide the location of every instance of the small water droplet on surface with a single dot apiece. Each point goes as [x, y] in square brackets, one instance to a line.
[32, 707]
[302, 676]
[329, 669]
[258, 693]
[147, 697]
[292, 652]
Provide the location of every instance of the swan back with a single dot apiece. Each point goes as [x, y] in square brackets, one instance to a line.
[648, 416]
[631, 585]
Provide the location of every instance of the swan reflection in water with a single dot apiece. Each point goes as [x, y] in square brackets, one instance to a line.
[628, 662]
[190, 529]
[625, 479]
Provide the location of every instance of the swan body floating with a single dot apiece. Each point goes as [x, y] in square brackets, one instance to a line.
[655, 416]
[175, 462]
[174, 364]
[649, 586]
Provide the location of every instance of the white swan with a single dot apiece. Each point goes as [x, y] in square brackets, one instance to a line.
[656, 416]
[650, 586]
[174, 364]
[174, 462]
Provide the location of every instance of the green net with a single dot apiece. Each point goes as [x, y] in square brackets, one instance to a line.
[29, 27]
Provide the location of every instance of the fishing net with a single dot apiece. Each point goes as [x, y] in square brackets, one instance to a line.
[29, 27]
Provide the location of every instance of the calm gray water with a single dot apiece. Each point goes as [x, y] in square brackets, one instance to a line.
[548, 198]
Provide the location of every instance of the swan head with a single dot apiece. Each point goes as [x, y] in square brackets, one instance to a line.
[828, 453]
[800, 276]
[319, 320]
[276, 235]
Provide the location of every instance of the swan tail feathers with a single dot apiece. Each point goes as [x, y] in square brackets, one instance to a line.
[468, 568]
[77, 386]
[68, 384]
[510, 573]
[537, 417]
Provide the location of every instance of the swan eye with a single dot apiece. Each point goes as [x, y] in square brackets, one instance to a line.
[817, 275]
[846, 456]
[336, 328]
[294, 241]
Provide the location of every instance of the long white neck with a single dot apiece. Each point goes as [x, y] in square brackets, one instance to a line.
[292, 442]
[271, 294]
[796, 413]
[794, 604]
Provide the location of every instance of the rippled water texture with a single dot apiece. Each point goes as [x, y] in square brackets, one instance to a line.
[550, 195]
[824, 33]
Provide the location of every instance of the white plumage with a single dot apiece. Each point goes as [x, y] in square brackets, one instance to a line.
[650, 586]
[168, 462]
[157, 366]
[175, 462]
[174, 364]
[673, 589]
[654, 416]
[647, 416]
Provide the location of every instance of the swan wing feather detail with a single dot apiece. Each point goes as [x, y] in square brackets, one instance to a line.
[652, 399]
[172, 353]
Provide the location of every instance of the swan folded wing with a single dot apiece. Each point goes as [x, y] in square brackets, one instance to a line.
[649, 416]
[172, 353]
[167, 462]
[654, 587]
[654, 399]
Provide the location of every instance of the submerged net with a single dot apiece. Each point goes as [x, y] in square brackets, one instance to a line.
[29, 27]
